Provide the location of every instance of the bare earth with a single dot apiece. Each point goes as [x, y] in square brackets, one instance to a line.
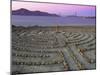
[49, 49]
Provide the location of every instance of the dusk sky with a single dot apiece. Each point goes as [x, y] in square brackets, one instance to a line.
[61, 9]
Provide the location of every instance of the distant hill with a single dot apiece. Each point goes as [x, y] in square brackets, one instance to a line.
[91, 17]
[26, 12]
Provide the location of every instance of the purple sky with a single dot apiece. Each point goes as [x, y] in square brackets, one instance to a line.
[60, 9]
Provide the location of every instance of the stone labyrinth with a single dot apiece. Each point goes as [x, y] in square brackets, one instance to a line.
[43, 51]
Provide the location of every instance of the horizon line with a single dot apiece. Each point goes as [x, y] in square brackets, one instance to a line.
[74, 13]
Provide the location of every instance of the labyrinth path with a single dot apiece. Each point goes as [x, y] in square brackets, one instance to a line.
[43, 51]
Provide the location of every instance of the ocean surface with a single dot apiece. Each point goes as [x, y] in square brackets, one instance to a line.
[51, 21]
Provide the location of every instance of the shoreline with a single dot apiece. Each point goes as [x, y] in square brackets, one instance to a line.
[59, 28]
